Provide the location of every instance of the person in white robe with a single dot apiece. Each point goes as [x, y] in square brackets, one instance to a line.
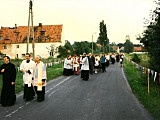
[40, 77]
[107, 60]
[96, 65]
[68, 66]
[26, 68]
[85, 68]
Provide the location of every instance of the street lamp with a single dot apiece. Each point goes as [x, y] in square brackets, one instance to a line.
[92, 42]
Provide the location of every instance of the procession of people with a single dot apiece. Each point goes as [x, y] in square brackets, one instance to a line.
[88, 64]
[35, 76]
[34, 80]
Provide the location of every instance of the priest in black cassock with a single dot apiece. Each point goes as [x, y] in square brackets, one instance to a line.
[8, 72]
[91, 59]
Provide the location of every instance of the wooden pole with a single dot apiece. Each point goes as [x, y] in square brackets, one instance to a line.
[28, 32]
[33, 45]
[92, 44]
[148, 80]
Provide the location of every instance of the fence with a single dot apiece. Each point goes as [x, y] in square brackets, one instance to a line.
[150, 73]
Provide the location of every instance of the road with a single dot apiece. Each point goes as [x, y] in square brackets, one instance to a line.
[106, 96]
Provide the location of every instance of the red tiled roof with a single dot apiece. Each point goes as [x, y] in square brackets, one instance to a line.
[42, 33]
[138, 49]
[115, 47]
[99, 45]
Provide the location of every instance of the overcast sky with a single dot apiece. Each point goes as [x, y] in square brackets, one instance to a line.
[81, 18]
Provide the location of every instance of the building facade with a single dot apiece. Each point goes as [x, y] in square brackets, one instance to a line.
[47, 38]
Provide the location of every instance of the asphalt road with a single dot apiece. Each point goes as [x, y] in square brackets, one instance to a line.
[106, 96]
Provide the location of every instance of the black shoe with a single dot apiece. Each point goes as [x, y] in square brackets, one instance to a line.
[29, 99]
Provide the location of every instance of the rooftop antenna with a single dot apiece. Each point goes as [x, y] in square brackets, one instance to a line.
[30, 33]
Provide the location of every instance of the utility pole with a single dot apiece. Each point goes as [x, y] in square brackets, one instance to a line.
[30, 33]
[92, 42]
[103, 47]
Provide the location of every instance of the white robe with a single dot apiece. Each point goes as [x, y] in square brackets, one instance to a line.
[68, 63]
[27, 78]
[85, 64]
[39, 74]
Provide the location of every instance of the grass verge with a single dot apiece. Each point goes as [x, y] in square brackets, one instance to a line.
[138, 83]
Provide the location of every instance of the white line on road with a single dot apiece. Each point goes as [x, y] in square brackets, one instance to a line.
[59, 89]
[52, 93]
[13, 112]
[57, 84]
[20, 94]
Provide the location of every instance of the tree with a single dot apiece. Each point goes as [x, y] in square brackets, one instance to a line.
[65, 50]
[136, 58]
[120, 45]
[96, 49]
[128, 46]
[68, 46]
[81, 47]
[151, 39]
[103, 39]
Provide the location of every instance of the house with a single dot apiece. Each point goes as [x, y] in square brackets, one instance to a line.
[116, 49]
[138, 49]
[13, 40]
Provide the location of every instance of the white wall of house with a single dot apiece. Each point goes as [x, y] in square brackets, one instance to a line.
[19, 50]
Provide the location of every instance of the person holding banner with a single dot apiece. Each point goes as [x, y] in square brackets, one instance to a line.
[39, 78]
[26, 69]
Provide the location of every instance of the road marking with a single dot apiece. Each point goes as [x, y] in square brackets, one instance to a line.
[58, 84]
[61, 87]
[20, 107]
[20, 94]
[52, 93]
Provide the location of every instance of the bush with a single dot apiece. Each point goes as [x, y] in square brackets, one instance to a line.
[136, 58]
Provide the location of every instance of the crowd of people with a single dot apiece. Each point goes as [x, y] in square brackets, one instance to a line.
[89, 64]
[34, 73]
[34, 80]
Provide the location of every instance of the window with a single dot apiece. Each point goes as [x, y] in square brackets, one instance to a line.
[42, 32]
[5, 47]
[23, 55]
[51, 53]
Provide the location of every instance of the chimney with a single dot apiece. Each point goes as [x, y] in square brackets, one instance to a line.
[40, 24]
[16, 26]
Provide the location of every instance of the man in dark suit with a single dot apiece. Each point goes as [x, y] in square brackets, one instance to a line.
[8, 72]
[91, 59]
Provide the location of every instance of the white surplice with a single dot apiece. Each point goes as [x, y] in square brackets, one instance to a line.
[27, 78]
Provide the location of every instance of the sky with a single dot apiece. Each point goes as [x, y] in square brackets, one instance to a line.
[81, 18]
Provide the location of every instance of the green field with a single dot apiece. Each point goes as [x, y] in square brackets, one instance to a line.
[138, 82]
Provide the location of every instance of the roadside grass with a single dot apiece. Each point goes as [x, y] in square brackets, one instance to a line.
[138, 82]
[52, 72]
[144, 59]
